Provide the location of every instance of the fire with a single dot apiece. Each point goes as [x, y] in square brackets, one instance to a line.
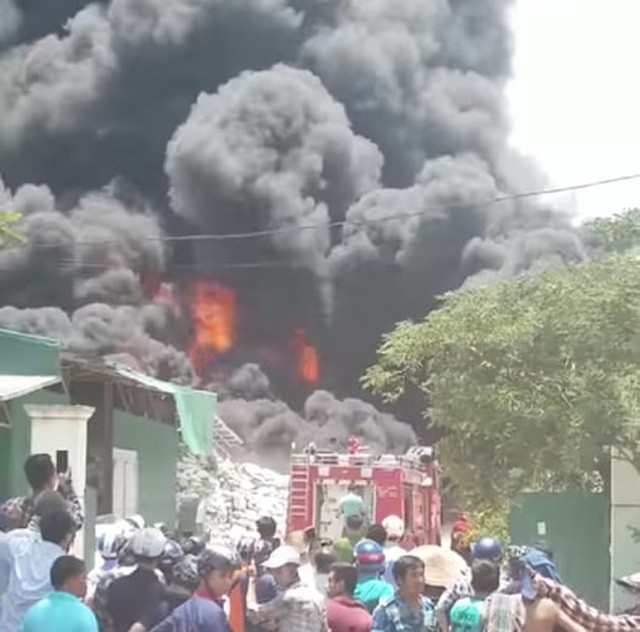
[213, 313]
[307, 357]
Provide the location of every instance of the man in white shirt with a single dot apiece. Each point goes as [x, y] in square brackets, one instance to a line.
[25, 564]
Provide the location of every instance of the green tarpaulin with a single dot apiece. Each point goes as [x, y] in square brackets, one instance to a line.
[196, 409]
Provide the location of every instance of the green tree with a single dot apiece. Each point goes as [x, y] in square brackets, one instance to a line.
[617, 233]
[530, 381]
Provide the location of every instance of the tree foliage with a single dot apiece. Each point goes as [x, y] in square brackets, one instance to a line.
[617, 233]
[531, 381]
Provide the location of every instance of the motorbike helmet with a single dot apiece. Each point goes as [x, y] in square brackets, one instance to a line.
[369, 556]
[185, 573]
[394, 526]
[487, 548]
[110, 543]
[245, 548]
[194, 545]
[137, 522]
[148, 543]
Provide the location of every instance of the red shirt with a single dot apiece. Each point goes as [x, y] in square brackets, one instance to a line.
[345, 614]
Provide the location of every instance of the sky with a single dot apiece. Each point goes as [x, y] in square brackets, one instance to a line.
[575, 97]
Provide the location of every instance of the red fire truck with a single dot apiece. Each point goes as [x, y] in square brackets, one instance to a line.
[407, 486]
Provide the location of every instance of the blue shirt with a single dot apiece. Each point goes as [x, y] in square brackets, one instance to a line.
[59, 612]
[395, 615]
[196, 615]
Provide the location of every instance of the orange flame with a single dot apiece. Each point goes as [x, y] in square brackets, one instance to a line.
[307, 356]
[214, 318]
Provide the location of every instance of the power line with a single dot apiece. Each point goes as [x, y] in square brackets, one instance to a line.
[221, 237]
[204, 267]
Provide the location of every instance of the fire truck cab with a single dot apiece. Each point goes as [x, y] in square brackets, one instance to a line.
[407, 486]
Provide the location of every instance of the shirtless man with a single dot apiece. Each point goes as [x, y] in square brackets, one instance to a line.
[545, 616]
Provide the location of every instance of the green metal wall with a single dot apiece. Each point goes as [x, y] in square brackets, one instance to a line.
[157, 448]
[577, 532]
[15, 442]
[24, 354]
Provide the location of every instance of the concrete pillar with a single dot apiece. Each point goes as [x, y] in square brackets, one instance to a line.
[625, 521]
[59, 427]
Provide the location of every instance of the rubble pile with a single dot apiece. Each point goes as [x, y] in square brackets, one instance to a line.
[234, 495]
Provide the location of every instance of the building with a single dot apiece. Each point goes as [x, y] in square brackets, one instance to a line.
[118, 429]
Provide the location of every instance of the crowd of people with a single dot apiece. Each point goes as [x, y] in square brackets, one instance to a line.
[151, 580]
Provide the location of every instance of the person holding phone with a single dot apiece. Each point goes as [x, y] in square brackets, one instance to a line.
[42, 476]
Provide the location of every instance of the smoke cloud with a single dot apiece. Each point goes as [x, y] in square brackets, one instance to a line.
[266, 424]
[275, 148]
[127, 120]
[50, 85]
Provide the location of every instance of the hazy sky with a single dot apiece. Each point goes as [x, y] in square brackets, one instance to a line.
[575, 97]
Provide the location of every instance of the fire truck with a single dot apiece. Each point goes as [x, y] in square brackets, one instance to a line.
[407, 486]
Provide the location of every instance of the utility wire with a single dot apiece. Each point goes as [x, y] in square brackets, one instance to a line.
[365, 222]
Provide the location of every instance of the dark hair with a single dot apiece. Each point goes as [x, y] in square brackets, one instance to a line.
[266, 527]
[56, 525]
[39, 470]
[325, 558]
[355, 523]
[64, 568]
[485, 576]
[49, 501]
[346, 573]
[405, 564]
[377, 533]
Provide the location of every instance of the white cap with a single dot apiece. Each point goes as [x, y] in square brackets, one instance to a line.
[631, 581]
[394, 526]
[282, 556]
[148, 542]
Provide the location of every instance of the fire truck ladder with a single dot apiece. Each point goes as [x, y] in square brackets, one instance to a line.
[298, 492]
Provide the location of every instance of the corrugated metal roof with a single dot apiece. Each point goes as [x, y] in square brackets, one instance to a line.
[12, 386]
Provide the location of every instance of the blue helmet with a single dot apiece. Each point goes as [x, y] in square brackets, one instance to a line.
[369, 556]
[487, 548]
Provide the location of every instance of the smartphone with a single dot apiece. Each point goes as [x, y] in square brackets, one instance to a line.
[62, 461]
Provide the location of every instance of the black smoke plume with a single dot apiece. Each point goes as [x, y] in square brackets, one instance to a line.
[125, 121]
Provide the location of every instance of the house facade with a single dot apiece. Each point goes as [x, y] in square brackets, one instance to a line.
[119, 430]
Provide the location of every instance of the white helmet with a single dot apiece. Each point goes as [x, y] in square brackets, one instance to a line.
[394, 526]
[137, 521]
[148, 542]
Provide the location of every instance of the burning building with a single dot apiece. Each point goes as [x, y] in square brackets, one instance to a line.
[210, 183]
